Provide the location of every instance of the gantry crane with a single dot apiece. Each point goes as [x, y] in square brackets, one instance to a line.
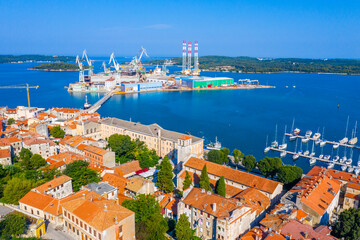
[27, 89]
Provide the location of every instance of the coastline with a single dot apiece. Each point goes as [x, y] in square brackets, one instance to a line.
[54, 70]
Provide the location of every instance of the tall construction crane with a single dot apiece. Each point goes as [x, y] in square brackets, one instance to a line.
[89, 62]
[81, 69]
[27, 89]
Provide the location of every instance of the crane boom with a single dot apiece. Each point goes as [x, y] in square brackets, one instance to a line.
[27, 90]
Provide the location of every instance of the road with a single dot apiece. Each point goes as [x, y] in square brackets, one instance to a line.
[5, 210]
[53, 234]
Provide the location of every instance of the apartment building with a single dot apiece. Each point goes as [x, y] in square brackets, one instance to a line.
[77, 144]
[44, 147]
[104, 189]
[317, 194]
[5, 156]
[214, 216]
[14, 143]
[99, 156]
[40, 128]
[22, 113]
[94, 217]
[65, 113]
[235, 180]
[163, 141]
[59, 187]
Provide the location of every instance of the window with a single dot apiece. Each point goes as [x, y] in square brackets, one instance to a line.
[38, 213]
[25, 208]
[81, 224]
[90, 230]
[85, 227]
[99, 236]
[65, 223]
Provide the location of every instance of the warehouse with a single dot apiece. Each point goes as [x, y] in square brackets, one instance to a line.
[141, 87]
[203, 82]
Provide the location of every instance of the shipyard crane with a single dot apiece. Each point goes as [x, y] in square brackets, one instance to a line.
[81, 69]
[106, 70]
[89, 62]
[116, 65]
[136, 62]
[27, 89]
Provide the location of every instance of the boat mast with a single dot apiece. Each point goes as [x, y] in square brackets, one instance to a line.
[284, 135]
[347, 125]
[296, 144]
[266, 145]
[292, 127]
[275, 132]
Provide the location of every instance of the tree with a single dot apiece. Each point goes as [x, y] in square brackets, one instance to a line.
[249, 162]
[15, 189]
[188, 181]
[289, 175]
[348, 225]
[148, 158]
[269, 167]
[122, 146]
[80, 173]
[215, 156]
[149, 223]
[204, 180]
[165, 176]
[25, 154]
[237, 154]
[10, 121]
[57, 132]
[183, 230]
[225, 153]
[220, 187]
[37, 161]
[14, 224]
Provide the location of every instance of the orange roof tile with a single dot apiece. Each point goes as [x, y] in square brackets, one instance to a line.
[339, 175]
[115, 181]
[300, 214]
[5, 153]
[244, 178]
[66, 110]
[56, 165]
[353, 186]
[97, 211]
[95, 150]
[254, 199]
[67, 157]
[53, 183]
[185, 137]
[127, 168]
[353, 196]
[204, 201]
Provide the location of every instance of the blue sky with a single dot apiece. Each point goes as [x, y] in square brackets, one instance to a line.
[258, 28]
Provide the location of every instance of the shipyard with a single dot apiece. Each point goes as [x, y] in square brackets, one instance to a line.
[133, 77]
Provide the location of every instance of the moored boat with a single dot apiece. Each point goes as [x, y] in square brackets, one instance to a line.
[296, 156]
[343, 168]
[214, 146]
[353, 141]
[336, 158]
[283, 154]
[350, 169]
[305, 140]
[308, 134]
[296, 131]
[336, 145]
[321, 156]
[316, 136]
[331, 165]
[306, 152]
[344, 140]
[312, 161]
[327, 157]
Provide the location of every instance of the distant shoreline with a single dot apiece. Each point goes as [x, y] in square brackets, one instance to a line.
[54, 70]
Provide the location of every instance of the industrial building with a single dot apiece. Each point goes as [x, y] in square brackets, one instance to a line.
[141, 87]
[203, 82]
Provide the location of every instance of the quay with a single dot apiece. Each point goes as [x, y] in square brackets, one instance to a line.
[99, 103]
[309, 157]
[327, 142]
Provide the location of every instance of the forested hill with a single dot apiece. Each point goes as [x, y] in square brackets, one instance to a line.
[250, 64]
[59, 66]
[34, 58]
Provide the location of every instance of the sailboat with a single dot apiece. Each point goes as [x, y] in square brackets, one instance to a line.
[349, 160]
[312, 150]
[267, 149]
[283, 153]
[275, 144]
[317, 135]
[345, 139]
[343, 168]
[323, 141]
[283, 146]
[293, 136]
[353, 139]
[307, 150]
[296, 155]
[312, 161]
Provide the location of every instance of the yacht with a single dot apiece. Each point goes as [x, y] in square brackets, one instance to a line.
[344, 140]
[214, 146]
[312, 161]
[327, 157]
[283, 146]
[274, 144]
[336, 158]
[86, 104]
[296, 132]
[331, 165]
[321, 156]
[283, 154]
[343, 159]
[322, 143]
[305, 140]
[349, 161]
[317, 142]
[296, 156]
[343, 168]
[316, 136]
[336, 145]
[292, 137]
[308, 134]
[267, 149]
[353, 141]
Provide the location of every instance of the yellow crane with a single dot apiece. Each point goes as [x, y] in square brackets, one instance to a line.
[27, 89]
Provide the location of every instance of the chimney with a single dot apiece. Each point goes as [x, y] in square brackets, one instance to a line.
[202, 190]
[208, 193]
[83, 195]
[214, 207]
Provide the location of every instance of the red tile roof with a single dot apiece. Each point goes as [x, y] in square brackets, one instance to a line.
[53, 183]
[5, 153]
[127, 168]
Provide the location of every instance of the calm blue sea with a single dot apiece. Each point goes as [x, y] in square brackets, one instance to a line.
[239, 118]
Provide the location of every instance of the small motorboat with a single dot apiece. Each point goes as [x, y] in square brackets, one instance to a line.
[322, 143]
[283, 153]
[305, 140]
[321, 156]
[312, 161]
[336, 145]
[306, 153]
[296, 156]
[317, 142]
[336, 158]
[357, 171]
[350, 169]
[343, 168]
[327, 157]
[296, 132]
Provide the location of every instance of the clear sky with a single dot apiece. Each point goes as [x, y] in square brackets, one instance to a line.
[258, 28]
